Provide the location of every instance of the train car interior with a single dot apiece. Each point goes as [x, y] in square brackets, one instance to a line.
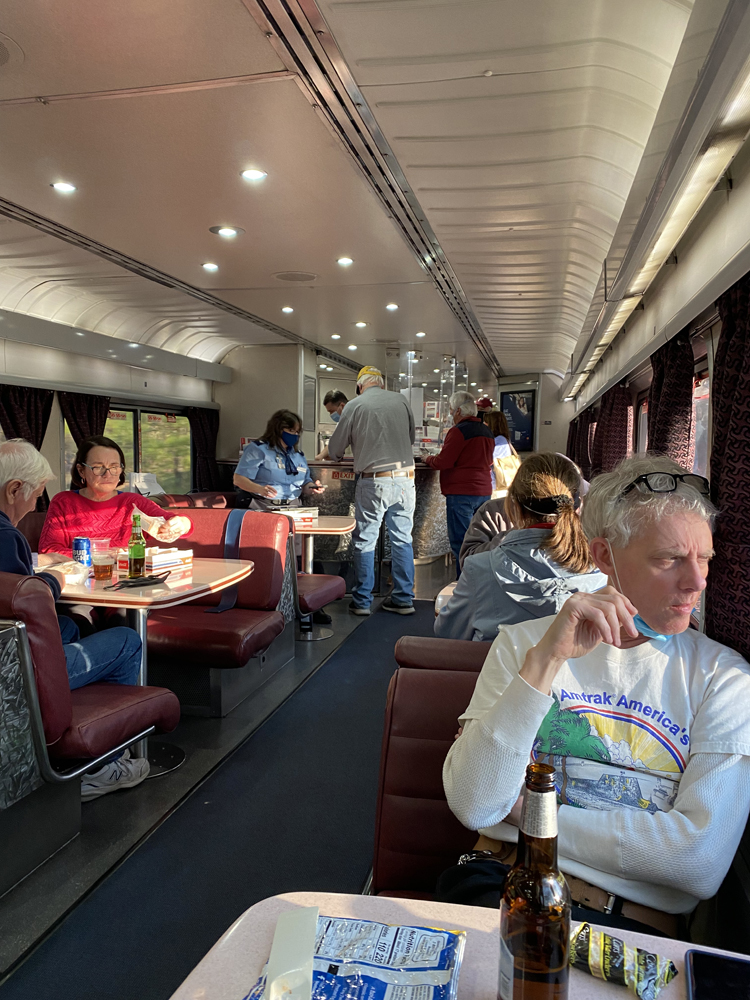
[222, 224]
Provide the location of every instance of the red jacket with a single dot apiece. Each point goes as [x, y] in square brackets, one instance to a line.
[465, 461]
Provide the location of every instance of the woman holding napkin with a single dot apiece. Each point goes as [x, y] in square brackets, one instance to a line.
[94, 508]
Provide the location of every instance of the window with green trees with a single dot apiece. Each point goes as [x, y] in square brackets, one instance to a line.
[165, 450]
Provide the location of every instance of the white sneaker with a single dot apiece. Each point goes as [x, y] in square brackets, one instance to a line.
[125, 772]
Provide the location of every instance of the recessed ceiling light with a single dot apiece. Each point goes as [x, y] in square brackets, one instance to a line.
[402, 374]
[421, 335]
[436, 370]
[147, 357]
[134, 345]
[287, 309]
[63, 187]
[254, 175]
[391, 307]
[424, 383]
[208, 266]
[329, 368]
[322, 366]
[80, 333]
[228, 232]
[434, 390]
[345, 261]
[114, 356]
[352, 347]
[360, 324]
[335, 336]
[473, 383]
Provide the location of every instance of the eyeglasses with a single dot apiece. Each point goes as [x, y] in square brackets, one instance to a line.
[104, 470]
[666, 482]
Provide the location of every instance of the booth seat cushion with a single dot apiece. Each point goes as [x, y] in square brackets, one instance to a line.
[189, 636]
[105, 715]
[211, 500]
[315, 590]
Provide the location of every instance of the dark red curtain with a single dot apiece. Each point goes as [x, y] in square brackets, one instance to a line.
[670, 401]
[614, 430]
[584, 440]
[204, 428]
[85, 415]
[570, 447]
[728, 595]
[24, 413]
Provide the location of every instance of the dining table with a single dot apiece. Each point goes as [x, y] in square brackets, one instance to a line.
[321, 525]
[206, 576]
[232, 967]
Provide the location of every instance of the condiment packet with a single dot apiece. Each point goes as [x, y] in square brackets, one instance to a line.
[642, 972]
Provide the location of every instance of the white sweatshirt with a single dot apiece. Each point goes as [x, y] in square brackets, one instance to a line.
[652, 750]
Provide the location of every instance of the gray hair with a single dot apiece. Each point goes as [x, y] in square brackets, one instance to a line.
[464, 402]
[608, 514]
[19, 459]
[370, 379]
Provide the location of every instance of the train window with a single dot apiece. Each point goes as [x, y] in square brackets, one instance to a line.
[120, 427]
[165, 450]
[700, 424]
[641, 427]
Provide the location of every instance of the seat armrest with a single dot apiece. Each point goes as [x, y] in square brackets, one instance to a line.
[441, 654]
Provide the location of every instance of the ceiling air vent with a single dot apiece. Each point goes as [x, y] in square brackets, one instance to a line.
[295, 276]
[4, 55]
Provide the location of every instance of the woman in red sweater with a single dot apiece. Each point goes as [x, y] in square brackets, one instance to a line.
[95, 508]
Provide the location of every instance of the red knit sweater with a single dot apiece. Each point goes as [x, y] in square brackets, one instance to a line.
[72, 516]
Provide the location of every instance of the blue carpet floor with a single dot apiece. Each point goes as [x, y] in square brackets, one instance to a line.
[292, 809]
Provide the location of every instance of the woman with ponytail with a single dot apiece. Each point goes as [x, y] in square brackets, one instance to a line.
[540, 562]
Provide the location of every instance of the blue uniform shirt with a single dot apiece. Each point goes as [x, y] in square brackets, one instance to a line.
[263, 464]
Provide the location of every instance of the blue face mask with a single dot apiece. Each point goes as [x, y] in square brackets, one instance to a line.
[289, 440]
[640, 624]
[335, 416]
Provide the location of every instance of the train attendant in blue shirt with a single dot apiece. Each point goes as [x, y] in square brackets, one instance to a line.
[271, 469]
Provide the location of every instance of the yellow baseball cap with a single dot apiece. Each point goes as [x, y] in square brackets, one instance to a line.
[369, 370]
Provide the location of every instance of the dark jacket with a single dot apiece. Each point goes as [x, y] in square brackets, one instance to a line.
[465, 461]
[15, 555]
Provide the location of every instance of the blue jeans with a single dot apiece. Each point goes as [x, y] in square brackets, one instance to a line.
[460, 509]
[113, 655]
[375, 499]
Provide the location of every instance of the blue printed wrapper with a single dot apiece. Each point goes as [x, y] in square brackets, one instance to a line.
[365, 960]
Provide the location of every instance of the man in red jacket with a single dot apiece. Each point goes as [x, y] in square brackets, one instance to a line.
[465, 465]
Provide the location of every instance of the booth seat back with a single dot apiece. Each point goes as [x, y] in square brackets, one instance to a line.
[31, 526]
[416, 834]
[263, 539]
[26, 599]
[193, 500]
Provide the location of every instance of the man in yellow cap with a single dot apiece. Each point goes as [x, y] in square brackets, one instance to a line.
[379, 427]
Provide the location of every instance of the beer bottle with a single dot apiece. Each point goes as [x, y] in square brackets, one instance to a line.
[535, 905]
[136, 550]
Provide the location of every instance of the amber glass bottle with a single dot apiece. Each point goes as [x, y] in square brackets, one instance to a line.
[535, 906]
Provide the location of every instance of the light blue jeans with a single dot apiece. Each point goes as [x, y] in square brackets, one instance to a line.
[113, 655]
[375, 499]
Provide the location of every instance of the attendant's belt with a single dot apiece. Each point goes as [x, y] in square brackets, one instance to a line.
[393, 474]
[591, 896]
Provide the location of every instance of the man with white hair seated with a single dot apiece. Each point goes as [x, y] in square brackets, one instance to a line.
[465, 464]
[646, 721]
[112, 656]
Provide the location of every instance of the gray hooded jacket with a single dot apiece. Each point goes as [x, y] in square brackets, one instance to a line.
[514, 582]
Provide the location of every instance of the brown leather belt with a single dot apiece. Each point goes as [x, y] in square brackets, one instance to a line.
[396, 473]
[591, 896]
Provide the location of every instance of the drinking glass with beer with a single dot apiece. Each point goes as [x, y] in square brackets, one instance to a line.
[102, 558]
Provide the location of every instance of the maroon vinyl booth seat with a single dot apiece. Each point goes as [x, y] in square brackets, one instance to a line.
[95, 719]
[187, 636]
[416, 834]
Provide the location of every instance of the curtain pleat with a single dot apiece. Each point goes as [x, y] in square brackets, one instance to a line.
[24, 413]
[570, 448]
[670, 401]
[585, 440]
[614, 430]
[204, 428]
[85, 415]
[728, 594]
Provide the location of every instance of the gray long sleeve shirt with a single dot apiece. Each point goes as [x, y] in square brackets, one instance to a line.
[379, 426]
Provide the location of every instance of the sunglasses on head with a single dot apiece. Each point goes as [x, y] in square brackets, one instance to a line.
[667, 482]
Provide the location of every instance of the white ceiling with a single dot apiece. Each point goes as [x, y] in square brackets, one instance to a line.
[520, 128]
[152, 111]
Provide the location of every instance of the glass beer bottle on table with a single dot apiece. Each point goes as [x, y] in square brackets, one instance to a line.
[535, 905]
[136, 550]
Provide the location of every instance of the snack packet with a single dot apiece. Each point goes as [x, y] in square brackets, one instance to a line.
[609, 958]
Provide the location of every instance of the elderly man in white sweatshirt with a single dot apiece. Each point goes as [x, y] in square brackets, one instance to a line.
[646, 720]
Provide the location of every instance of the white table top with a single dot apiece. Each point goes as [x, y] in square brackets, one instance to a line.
[234, 963]
[208, 577]
[326, 526]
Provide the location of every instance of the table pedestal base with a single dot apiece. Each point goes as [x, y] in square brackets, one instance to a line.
[164, 757]
[317, 632]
